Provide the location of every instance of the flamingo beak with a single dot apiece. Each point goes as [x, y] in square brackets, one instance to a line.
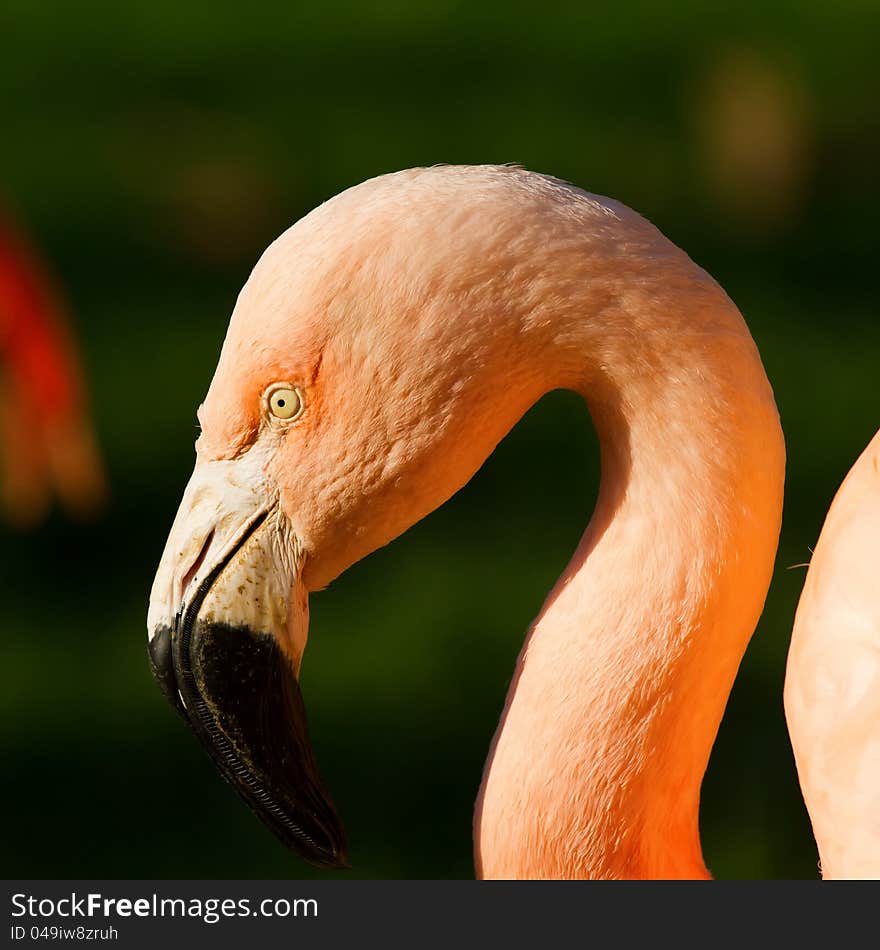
[227, 623]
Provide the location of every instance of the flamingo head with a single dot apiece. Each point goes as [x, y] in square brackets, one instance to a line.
[357, 389]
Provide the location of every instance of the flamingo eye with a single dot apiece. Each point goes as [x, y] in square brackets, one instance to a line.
[285, 402]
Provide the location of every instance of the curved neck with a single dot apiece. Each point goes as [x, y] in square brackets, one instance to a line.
[596, 767]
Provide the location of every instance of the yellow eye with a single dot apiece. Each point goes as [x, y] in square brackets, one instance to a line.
[285, 403]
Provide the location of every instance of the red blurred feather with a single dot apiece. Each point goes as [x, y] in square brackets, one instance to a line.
[46, 436]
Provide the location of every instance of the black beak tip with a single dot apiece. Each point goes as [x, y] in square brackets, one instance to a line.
[241, 698]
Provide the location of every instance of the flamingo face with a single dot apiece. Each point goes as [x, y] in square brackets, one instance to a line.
[228, 613]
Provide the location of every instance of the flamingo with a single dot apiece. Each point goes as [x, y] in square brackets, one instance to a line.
[832, 681]
[45, 431]
[379, 351]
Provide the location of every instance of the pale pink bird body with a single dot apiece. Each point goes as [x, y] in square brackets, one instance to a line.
[832, 684]
[380, 350]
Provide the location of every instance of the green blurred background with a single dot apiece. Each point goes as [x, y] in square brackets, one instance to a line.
[153, 152]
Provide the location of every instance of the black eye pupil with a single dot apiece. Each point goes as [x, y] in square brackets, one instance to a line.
[280, 403]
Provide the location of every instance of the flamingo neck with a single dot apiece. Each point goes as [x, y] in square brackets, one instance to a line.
[596, 767]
